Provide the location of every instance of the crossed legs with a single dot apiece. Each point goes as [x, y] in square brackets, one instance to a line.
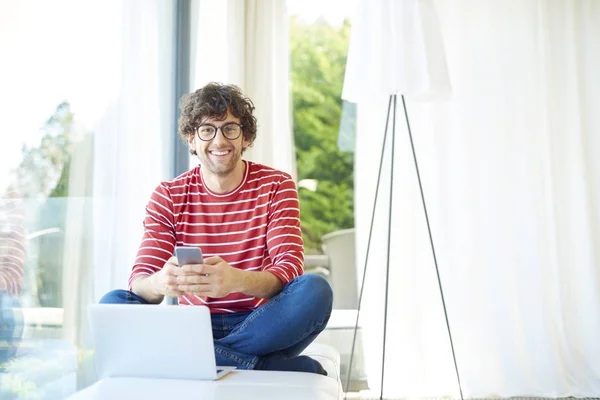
[273, 335]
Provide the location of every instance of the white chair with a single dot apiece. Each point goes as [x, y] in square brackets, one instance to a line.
[339, 263]
[339, 247]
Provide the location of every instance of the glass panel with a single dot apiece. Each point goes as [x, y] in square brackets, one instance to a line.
[324, 138]
[77, 121]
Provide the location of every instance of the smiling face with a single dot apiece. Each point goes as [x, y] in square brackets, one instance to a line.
[220, 157]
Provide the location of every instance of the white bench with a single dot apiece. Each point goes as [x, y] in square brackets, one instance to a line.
[247, 385]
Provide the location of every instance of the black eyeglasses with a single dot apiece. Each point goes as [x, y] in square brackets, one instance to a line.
[207, 132]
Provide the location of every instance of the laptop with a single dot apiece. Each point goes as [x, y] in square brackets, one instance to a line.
[154, 341]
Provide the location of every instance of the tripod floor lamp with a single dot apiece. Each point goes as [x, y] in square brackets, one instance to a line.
[395, 50]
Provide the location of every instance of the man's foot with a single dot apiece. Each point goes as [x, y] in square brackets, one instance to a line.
[279, 362]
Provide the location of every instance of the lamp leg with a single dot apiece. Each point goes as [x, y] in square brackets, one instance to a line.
[362, 285]
[389, 241]
[437, 270]
[392, 101]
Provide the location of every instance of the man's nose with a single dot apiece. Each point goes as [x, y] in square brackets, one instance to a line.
[220, 136]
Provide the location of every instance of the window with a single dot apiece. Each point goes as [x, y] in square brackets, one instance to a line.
[324, 137]
[80, 154]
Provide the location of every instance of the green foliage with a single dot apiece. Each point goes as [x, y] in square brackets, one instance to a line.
[15, 387]
[44, 168]
[44, 174]
[318, 61]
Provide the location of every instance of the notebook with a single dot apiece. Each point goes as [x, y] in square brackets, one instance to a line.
[154, 341]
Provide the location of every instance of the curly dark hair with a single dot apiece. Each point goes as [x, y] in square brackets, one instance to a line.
[212, 101]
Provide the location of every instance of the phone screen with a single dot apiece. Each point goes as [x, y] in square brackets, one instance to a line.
[188, 255]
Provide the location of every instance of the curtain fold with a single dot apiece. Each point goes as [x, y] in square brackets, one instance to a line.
[511, 186]
[133, 140]
[253, 54]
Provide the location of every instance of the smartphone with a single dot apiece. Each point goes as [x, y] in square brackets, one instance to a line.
[188, 255]
[185, 255]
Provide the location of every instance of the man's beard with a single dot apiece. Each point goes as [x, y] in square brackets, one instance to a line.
[220, 168]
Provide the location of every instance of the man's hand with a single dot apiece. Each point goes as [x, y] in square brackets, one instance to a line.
[164, 282]
[215, 278]
[153, 288]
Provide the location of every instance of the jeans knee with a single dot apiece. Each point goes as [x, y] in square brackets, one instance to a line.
[318, 288]
[118, 296]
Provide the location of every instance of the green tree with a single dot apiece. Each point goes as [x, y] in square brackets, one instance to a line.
[44, 168]
[318, 61]
[44, 174]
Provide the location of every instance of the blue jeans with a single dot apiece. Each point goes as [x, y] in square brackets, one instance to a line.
[11, 328]
[286, 324]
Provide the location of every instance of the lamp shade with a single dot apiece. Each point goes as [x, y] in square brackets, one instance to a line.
[395, 48]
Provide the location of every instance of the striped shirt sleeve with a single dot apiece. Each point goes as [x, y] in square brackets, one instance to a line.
[284, 237]
[12, 244]
[158, 241]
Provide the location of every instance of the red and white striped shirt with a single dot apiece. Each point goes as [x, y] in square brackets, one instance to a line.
[255, 227]
[12, 242]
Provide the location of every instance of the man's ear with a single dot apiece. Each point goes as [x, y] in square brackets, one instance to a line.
[191, 142]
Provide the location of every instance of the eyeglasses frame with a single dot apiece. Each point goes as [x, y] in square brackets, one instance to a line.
[217, 128]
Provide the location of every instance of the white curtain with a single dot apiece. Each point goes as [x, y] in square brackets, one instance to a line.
[246, 43]
[133, 140]
[511, 184]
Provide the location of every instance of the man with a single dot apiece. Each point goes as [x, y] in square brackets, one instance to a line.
[245, 218]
